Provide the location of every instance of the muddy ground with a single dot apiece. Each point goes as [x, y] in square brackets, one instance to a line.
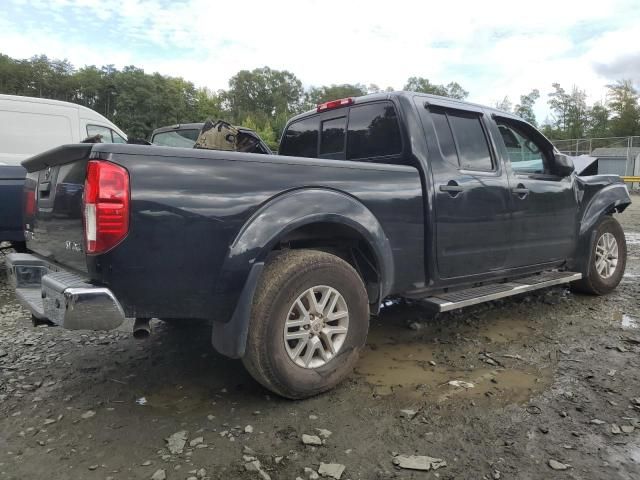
[554, 376]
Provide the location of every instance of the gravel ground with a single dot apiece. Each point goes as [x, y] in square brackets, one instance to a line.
[556, 394]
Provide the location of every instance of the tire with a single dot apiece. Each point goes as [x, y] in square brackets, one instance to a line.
[289, 277]
[601, 283]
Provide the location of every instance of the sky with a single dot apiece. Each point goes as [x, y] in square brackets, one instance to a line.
[492, 48]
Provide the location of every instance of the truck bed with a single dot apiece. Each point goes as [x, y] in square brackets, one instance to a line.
[189, 206]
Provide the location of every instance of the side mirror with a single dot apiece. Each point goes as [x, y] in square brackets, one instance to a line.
[564, 165]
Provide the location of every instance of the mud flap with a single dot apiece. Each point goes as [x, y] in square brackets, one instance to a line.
[230, 338]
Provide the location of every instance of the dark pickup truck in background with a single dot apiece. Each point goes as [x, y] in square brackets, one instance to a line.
[395, 194]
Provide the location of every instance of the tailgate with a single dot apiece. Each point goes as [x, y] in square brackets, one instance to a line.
[53, 204]
[11, 186]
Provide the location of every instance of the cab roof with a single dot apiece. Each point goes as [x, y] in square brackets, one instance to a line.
[397, 94]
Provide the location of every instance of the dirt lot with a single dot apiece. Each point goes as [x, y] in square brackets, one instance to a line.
[554, 377]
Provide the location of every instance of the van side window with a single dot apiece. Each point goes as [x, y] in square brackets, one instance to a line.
[301, 138]
[373, 131]
[332, 136]
[104, 132]
[117, 138]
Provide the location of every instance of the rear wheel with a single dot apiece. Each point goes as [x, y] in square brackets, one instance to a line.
[309, 321]
[607, 259]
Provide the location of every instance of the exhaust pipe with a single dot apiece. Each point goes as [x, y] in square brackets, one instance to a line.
[141, 328]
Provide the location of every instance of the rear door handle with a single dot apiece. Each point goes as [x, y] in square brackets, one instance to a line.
[520, 190]
[452, 188]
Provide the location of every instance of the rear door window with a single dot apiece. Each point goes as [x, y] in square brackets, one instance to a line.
[301, 138]
[445, 138]
[471, 141]
[462, 139]
[373, 131]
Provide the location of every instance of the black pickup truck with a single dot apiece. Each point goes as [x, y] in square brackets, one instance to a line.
[395, 194]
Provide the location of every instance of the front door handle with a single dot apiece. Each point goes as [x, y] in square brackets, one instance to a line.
[452, 188]
[521, 191]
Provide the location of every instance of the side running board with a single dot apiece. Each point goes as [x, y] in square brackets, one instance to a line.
[444, 302]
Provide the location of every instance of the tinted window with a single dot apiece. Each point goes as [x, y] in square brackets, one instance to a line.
[445, 138]
[524, 154]
[373, 131]
[332, 137]
[176, 138]
[301, 138]
[471, 142]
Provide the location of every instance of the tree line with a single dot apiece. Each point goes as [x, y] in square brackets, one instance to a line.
[263, 99]
[572, 117]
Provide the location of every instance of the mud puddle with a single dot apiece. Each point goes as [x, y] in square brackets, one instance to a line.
[414, 364]
[176, 399]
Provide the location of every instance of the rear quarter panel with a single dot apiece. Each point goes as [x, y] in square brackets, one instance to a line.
[188, 206]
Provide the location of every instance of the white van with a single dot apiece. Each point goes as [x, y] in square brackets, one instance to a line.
[33, 125]
[29, 126]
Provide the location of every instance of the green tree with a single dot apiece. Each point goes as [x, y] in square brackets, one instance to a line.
[598, 121]
[89, 81]
[454, 90]
[622, 100]
[316, 95]
[423, 85]
[263, 91]
[505, 105]
[208, 104]
[570, 111]
[524, 109]
[14, 75]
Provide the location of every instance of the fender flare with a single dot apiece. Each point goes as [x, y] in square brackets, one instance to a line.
[605, 201]
[255, 240]
[610, 198]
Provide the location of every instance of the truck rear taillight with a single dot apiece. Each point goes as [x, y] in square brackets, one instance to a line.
[105, 205]
[343, 102]
[29, 205]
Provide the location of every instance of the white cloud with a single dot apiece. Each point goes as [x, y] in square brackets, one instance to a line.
[492, 49]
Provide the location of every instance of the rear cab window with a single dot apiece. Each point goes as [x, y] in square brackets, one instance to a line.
[362, 132]
[332, 136]
[301, 138]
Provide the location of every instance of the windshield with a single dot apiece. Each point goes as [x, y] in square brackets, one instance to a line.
[176, 138]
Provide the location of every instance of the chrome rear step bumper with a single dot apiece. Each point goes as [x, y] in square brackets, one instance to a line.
[61, 297]
[471, 296]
